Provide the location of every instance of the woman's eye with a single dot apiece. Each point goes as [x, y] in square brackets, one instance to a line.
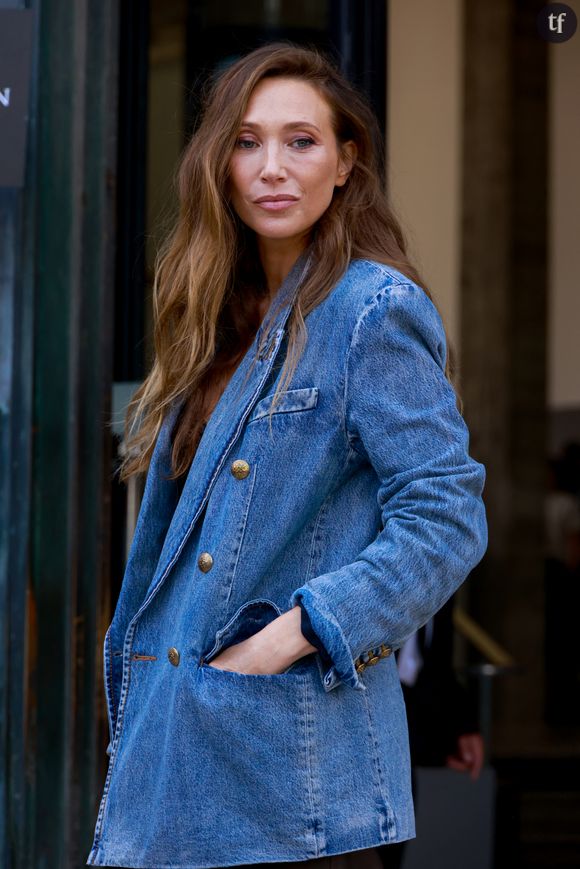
[245, 144]
[303, 142]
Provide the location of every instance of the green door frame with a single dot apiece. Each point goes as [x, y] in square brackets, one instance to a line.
[57, 248]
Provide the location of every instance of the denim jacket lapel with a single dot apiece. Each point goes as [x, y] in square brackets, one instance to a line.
[223, 428]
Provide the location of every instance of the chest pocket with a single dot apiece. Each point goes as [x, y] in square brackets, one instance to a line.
[291, 401]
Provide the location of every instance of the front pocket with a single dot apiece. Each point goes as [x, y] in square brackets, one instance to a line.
[251, 739]
[253, 744]
[248, 620]
[291, 401]
[291, 672]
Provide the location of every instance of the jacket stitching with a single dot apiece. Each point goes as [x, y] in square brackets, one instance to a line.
[391, 829]
[370, 306]
[323, 512]
[313, 784]
[119, 728]
[110, 682]
[315, 538]
[243, 533]
[321, 515]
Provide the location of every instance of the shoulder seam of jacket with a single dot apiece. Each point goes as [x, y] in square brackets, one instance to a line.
[382, 269]
[367, 308]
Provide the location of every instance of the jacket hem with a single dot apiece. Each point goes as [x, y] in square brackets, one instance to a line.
[244, 859]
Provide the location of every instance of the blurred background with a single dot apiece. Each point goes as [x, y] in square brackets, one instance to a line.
[481, 117]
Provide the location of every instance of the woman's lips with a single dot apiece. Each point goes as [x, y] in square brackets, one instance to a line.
[276, 204]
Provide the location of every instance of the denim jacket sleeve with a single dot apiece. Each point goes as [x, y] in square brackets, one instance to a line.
[401, 415]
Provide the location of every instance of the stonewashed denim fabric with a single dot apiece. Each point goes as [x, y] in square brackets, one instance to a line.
[361, 502]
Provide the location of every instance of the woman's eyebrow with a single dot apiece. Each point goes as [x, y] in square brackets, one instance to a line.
[291, 125]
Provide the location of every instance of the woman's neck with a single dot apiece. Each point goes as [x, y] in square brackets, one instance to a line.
[277, 257]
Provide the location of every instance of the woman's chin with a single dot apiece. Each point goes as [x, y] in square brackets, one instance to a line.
[281, 233]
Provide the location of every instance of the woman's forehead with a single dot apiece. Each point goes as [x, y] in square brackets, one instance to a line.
[286, 102]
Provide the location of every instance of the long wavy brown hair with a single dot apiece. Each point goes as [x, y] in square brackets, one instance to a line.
[209, 281]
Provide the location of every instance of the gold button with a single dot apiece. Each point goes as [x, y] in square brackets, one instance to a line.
[374, 660]
[240, 469]
[173, 656]
[385, 651]
[205, 562]
[360, 667]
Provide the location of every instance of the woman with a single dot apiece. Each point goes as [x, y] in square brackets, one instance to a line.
[310, 501]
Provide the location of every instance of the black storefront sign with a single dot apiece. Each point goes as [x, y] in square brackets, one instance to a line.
[15, 60]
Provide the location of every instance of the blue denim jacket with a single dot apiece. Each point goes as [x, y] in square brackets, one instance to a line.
[362, 504]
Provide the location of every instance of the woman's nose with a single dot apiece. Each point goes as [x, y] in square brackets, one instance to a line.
[273, 164]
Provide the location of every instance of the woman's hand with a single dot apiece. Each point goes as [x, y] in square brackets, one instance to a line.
[270, 651]
[247, 657]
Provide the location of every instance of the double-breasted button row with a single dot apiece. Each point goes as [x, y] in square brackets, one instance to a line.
[371, 657]
[240, 470]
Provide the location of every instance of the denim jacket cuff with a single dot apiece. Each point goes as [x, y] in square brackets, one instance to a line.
[339, 664]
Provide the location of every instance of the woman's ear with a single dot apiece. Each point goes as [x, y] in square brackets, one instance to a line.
[347, 158]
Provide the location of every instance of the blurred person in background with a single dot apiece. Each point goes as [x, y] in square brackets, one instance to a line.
[441, 714]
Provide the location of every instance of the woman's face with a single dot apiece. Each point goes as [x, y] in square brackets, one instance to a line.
[286, 161]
